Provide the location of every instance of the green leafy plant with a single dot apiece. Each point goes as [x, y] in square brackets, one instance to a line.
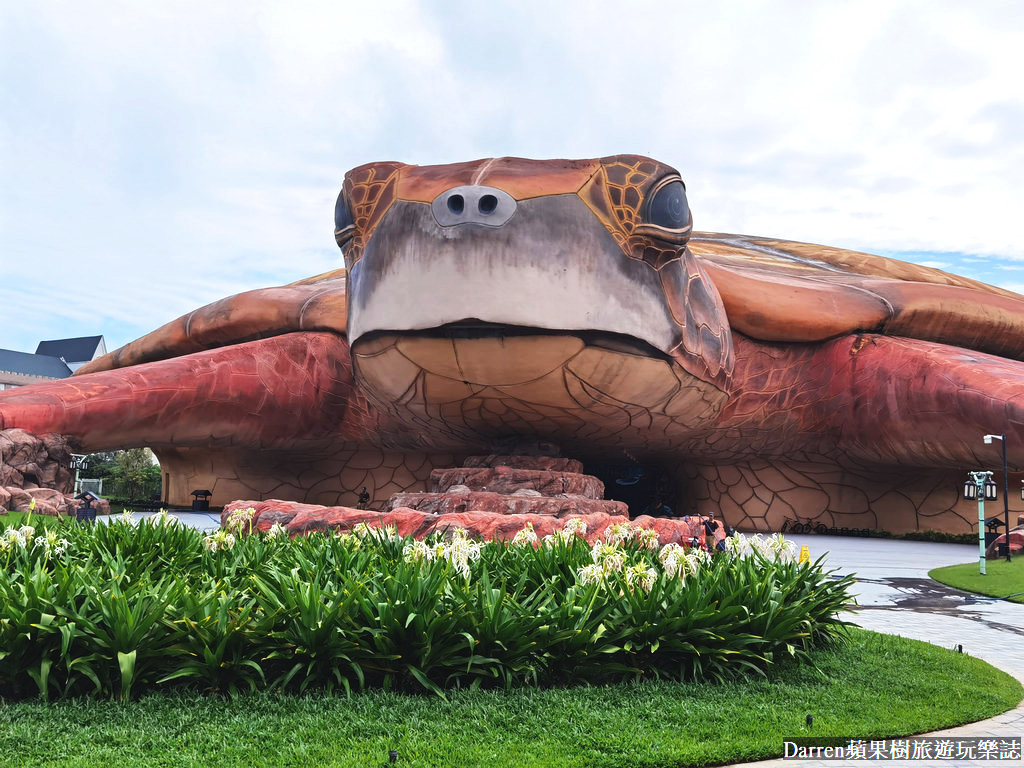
[116, 609]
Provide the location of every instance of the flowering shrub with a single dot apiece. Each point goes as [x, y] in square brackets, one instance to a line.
[240, 521]
[114, 609]
[219, 540]
[527, 536]
[773, 547]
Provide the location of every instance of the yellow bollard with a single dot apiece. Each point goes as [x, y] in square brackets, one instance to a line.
[805, 554]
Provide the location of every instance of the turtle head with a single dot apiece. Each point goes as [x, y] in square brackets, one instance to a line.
[556, 284]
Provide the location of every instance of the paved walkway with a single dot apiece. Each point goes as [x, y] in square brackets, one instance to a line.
[897, 597]
[204, 521]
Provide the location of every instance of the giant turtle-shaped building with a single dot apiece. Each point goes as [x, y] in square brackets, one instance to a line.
[508, 300]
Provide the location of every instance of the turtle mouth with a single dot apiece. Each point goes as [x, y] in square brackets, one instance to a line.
[473, 328]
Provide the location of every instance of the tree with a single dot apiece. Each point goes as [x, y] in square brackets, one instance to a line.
[135, 473]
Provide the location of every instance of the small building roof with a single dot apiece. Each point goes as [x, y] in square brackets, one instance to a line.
[33, 365]
[78, 350]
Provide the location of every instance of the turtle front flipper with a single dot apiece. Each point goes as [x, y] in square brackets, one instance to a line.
[860, 432]
[870, 400]
[285, 391]
[316, 304]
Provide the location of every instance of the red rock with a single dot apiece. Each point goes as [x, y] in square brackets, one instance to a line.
[525, 462]
[301, 519]
[18, 499]
[1016, 544]
[48, 501]
[509, 479]
[502, 504]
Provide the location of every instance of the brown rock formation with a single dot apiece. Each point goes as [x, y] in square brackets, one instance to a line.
[28, 461]
[504, 504]
[505, 479]
[35, 469]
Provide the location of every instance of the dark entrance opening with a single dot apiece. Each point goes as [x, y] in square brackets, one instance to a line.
[635, 484]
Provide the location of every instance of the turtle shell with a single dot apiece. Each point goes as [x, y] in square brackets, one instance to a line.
[784, 291]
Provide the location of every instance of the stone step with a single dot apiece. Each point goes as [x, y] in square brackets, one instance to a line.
[521, 503]
[549, 463]
[504, 479]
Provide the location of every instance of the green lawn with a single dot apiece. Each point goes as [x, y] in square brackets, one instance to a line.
[18, 519]
[1002, 578]
[876, 686]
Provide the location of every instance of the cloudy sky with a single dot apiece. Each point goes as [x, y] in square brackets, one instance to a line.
[155, 157]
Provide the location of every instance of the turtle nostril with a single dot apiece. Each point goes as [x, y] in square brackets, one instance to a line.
[487, 204]
[456, 204]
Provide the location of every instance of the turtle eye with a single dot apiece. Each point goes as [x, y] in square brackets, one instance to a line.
[668, 208]
[344, 225]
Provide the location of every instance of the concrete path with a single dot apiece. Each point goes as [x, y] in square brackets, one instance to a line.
[897, 597]
[204, 521]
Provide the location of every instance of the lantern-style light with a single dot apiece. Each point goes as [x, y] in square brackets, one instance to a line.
[991, 490]
[971, 491]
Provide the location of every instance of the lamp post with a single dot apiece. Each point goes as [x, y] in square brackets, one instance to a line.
[79, 461]
[1006, 489]
[978, 487]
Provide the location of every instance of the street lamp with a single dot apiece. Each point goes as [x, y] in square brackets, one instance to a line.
[1006, 490]
[978, 488]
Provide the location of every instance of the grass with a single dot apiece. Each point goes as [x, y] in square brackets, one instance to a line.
[1001, 580]
[18, 519]
[875, 686]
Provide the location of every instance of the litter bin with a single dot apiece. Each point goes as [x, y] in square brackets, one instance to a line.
[87, 512]
[85, 515]
[201, 502]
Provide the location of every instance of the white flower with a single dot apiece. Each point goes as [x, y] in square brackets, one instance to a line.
[27, 533]
[671, 557]
[418, 552]
[525, 537]
[589, 574]
[608, 557]
[382, 533]
[574, 526]
[241, 520]
[784, 551]
[640, 576]
[679, 561]
[774, 547]
[460, 550]
[163, 517]
[126, 516]
[13, 537]
[739, 546]
[619, 533]
[276, 531]
[646, 537]
[50, 543]
[219, 540]
[567, 533]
